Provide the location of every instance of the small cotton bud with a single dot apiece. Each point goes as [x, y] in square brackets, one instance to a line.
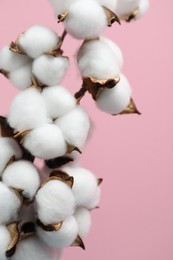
[45, 142]
[11, 61]
[75, 126]
[85, 19]
[50, 70]
[111, 4]
[58, 101]
[54, 202]
[9, 204]
[27, 111]
[8, 149]
[24, 176]
[83, 218]
[38, 40]
[125, 7]
[62, 238]
[115, 100]
[5, 240]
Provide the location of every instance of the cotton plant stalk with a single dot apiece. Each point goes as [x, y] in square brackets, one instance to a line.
[44, 210]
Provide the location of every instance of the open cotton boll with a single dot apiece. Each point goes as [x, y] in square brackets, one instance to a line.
[11, 61]
[45, 142]
[38, 40]
[54, 202]
[75, 126]
[5, 240]
[50, 70]
[111, 4]
[125, 7]
[9, 204]
[143, 8]
[22, 175]
[115, 100]
[27, 111]
[58, 101]
[62, 238]
[83, 218]
[8, 149]
[22, 77]
[86, 19]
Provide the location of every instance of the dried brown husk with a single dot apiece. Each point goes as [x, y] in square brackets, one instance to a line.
[58, 162]
[5, 129]
[100, 181]
[130, 16]
[62, 17]
[131, 109]
[72, 148]
[63, 176]
[27, 230]
[15, 236]
[79, 242]
[15, 47]
[111, 16]
[49, 227]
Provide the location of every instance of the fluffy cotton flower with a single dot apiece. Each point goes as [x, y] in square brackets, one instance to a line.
[85, 19]
[75, 126]
[11, 61]
[22, 77]
[64, 237]
[38, 40]
[9, 204]
[83, 218]
[50, 70]
[126, 7]
[58, 101]
[22, 175]
[27, 111]
[8, 149]
[54, 202]
[45, 142]
[5, 240]
[111, 4]
[115, 100]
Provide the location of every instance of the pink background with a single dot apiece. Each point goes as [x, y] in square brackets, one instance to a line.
[132, 153]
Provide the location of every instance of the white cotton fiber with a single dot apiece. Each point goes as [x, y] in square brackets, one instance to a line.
[115, 100]
[46, 142]
[62, 238]
[22, 77]
[126, 7]
[11, 61]
[86, 19]
[58, 101]
[9, 204]
[22, 175]
[143, 8]
[54, 202]
[27, 111]
[50, 70]
[75, 126]
[8, 149]
[5, 240]
[38, 40]
[96, 59]
[61, 6]
[111, 4]
[83, 218]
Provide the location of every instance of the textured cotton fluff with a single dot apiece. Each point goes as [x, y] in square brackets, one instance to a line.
[111, 4]
[5, 240]
[115, 100]
[61, 6]
[38, 40]
[62, 238]
[83, 218]
[54, 202]
[46, 142]
[22, 77]
[96, 59]
[86, 19]
[126, 7]
[8, 149]
[9, 204]
[22, 175]
[50, 70]
[11, 61]
[27, 111]
[75, 126]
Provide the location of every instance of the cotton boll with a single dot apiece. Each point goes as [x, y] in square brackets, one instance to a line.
[11, 61]
[5, 240]
[46, 142]
[58, 101]
[62, 238]
[83, 218]
[61, 6]
[75, 126]
[9, 204]
[54, 202]
[125, 7]
[111, 4]
[115, 100]
[22, 77]
[38, 40]
[8, 149]
[22, 175]
[143, 8]
[86, 19]
[27, 111]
